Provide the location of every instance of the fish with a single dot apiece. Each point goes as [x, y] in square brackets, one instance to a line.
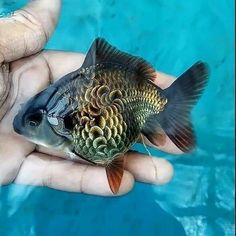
[99, 111]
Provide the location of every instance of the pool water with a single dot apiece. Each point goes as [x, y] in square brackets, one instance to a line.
[172, 35]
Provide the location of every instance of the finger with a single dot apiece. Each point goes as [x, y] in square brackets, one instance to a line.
[27, 30]
[61, 63]
[143, 167]
[11, 155]
[163, 80]
[148, 169]
[44, 170]
[46, 12]
[58, 153]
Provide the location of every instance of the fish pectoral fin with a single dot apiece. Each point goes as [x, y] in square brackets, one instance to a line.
[114, 173]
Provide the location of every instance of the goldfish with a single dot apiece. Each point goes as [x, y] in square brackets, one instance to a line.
[99, 111]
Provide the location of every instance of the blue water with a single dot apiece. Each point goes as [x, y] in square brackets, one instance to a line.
[172, 35]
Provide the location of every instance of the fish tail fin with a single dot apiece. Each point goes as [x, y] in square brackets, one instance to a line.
[182, 95]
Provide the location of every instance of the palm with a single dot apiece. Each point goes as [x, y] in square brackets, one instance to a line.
[23, 87]
[25, 163]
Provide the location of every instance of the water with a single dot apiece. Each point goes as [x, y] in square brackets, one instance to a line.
[172, 35]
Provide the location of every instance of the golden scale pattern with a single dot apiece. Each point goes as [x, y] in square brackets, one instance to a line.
[112, 112]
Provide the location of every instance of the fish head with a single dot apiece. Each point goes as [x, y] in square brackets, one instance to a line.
[39, 125]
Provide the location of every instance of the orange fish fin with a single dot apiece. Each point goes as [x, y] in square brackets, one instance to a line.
[115, 172]
[101, 52]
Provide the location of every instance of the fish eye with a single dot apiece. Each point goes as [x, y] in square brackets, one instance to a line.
[34, 119]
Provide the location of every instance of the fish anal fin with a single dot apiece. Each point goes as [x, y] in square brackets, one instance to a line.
[114, 173]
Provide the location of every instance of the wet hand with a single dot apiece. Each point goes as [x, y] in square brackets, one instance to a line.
[24, 71]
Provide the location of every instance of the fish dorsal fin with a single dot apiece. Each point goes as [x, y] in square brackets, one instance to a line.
[115, 172]
[101, 52]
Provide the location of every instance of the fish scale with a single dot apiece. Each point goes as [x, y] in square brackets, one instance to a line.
[107, 105]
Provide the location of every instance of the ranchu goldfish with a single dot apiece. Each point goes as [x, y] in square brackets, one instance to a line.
[98, 111]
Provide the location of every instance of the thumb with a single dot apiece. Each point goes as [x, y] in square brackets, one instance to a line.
[28, 29]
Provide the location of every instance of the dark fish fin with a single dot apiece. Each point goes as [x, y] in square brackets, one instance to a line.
[175, 119]
[115, 172]
[66, 78]
[102, 52]
[154, 133]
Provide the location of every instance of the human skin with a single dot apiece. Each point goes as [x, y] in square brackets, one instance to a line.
[26, 69]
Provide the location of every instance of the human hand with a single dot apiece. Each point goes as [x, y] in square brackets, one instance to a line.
[24, 71]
